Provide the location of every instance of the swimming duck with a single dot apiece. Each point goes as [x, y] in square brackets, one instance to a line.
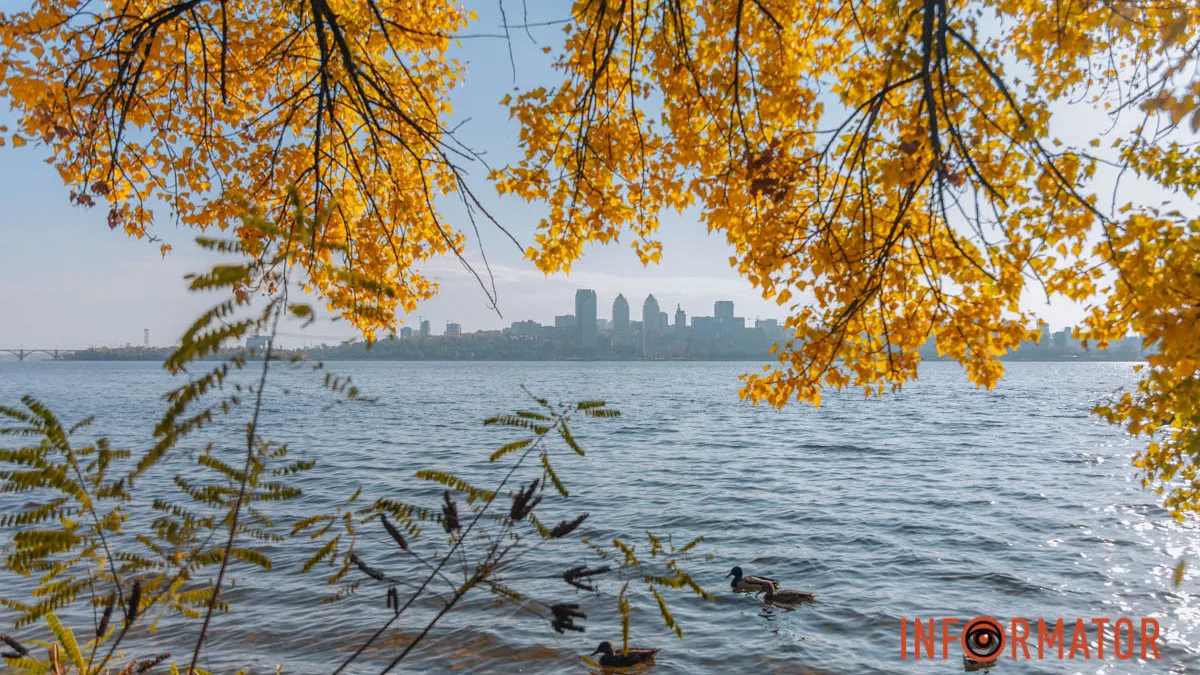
[785, 597]
[751, 583]
[632, 657]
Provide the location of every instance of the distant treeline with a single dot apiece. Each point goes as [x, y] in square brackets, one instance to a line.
[484, 347]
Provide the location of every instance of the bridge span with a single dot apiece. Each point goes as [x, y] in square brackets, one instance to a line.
[21, 352]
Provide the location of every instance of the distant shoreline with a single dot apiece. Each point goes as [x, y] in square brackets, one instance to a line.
[93, 357]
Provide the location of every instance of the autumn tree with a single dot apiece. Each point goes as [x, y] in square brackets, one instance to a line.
[898, 171]
[890, 171]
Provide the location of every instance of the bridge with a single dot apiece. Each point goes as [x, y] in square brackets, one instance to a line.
[21, 352]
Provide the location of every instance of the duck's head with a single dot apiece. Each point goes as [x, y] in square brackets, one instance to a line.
[605, 648]
[736, 573]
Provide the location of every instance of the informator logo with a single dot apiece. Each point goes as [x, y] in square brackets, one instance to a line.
[984, 639]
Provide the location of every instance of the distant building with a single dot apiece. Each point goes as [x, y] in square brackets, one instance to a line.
[1044, 329]
[146, 337]
[258, 342]
[723, 310]
[1060, 340]
[602, 325]
[680, 319]
[406, 332]
[651, 326]
[425, 328]
[585, 319]
[525, 329]
[565, 322]
[453, 329]
[704, 328]
[620, 316]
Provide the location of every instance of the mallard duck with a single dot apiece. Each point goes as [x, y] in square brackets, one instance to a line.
[632, 657]
[751, 583]
[785, 597]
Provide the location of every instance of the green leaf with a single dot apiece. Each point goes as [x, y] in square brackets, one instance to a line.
[220, 276]
[570, 440]
[668, 620]
[623, 608]
[549, 471]
[455, 483]
[67, 639]
[251, 556]
[510, 447]
[321, 554]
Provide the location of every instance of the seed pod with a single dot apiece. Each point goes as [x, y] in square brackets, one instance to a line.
[564, 528]
[18, 652]
[150, 663]
[367, 569]
[135, 599]
[391, 529]
[107, 616]
[577, 576]
[450, 514]
[564, 617]
[522, 506]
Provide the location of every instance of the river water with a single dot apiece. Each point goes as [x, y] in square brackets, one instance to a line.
[940, 501]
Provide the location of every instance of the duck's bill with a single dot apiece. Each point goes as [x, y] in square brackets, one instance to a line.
[594, 653]
[729, 575]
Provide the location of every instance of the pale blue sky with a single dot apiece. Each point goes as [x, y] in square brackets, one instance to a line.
[67, 281]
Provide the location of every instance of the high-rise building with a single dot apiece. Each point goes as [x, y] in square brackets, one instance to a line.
[453, 329]
[146, 337]
[406, 332]
[425, 328]
[620, 316]
[1044, 328]
[585, 318]
[723, 310]
[680, 319]
[651, 326]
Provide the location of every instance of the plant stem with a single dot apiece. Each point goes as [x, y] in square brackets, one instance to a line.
[251, 434]
[449, 554]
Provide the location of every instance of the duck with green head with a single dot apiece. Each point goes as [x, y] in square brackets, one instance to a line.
[631, 657]
[744, 584]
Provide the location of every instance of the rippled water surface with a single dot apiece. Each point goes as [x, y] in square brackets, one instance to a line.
[942, 500]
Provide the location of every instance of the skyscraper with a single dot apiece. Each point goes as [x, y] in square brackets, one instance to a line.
[620, 316]
[723, 310]
[651, 326]
[680, 319]
[425, 328]
[585, 318]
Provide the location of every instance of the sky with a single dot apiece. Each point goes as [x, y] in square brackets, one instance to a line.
[67, 281]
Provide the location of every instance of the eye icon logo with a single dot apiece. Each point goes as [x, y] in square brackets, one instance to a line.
[983, 639]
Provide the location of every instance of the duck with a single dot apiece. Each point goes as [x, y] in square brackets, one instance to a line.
[785, 597]
[632, 656]
[751, 583]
